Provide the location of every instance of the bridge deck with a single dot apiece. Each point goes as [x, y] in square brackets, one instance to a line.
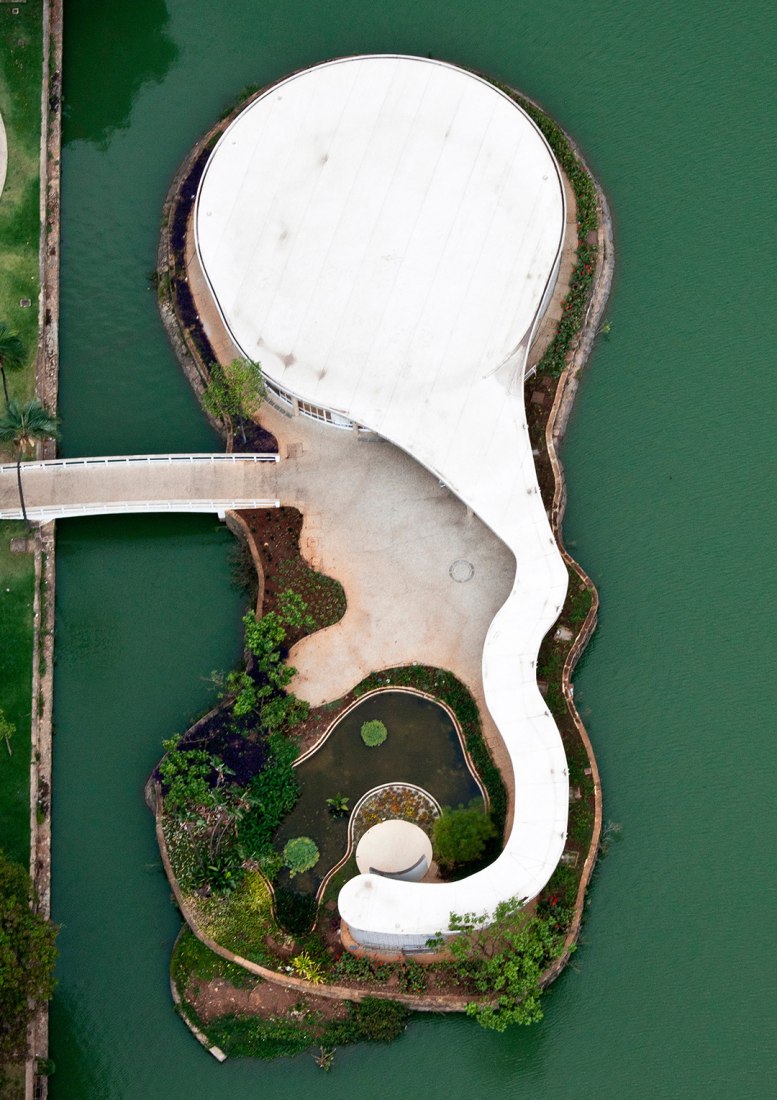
[139, 483]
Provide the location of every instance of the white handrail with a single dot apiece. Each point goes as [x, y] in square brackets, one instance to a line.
[45, 512]
[141, 460]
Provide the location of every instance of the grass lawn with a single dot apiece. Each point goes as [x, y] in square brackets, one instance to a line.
[17, 586]
[21, 59]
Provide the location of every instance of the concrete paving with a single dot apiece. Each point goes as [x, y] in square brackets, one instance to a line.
[373, 518]
[390, 533]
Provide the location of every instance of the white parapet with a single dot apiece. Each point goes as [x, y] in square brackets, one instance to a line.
[382, 233]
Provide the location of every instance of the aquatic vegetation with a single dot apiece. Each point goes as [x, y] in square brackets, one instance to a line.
[374, 733]
[300, 854]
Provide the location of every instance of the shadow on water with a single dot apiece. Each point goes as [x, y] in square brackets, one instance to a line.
[119, 48]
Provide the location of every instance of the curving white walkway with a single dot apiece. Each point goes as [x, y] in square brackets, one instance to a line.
[64, 487]
[383, 234]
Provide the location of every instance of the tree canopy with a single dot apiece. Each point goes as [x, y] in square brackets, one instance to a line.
[27, 957]
[22, 425]
[460, 836]
[504, 957]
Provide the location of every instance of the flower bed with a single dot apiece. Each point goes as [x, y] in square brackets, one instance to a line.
[395, 802]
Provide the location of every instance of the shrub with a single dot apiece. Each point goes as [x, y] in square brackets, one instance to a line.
[186, 779]
[272, 794]
[300, 854]
[374, 733]
[339, 806]
[374, 1021]
[503, 955]
[27, 957]
[460, 836]
[308, 968]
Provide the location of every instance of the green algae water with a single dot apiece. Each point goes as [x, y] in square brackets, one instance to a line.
[671, 991]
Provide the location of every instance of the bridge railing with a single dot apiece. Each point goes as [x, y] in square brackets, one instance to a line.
[46, 512]
[143, 460]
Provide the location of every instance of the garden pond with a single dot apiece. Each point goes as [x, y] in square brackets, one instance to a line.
[422, 748]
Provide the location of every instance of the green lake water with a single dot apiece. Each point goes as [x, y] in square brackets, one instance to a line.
[671, 993]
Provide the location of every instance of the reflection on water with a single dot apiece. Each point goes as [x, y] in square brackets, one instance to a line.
[118, 49]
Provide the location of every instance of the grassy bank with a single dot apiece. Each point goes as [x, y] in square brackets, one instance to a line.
[17, 584]
[21, 60]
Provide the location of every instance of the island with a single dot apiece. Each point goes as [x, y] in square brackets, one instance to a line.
[388, 272]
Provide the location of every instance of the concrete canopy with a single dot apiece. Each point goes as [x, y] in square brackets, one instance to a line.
[383, 235]
[397, 848]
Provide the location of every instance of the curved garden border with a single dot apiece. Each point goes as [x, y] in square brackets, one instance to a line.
[352, 820]
[408, 691]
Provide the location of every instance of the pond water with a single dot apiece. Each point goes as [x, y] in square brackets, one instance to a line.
[672, 989]
[422, 747]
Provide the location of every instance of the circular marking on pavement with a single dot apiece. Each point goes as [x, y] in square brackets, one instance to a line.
[462, 571]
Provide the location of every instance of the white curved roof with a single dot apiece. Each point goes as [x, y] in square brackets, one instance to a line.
[393, 847]
[382, 233]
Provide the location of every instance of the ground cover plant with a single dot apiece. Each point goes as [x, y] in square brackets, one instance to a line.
[397, 801]
[284, 1022]
[242, 921]
[371, 1020]
[581, 282]
[275, 533]
[17, 592]
[21, 61]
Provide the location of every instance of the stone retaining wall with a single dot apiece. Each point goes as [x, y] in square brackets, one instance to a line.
[554, 433]
[46, 390]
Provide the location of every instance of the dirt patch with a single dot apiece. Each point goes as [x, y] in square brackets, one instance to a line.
[217, 997]
[276, 533]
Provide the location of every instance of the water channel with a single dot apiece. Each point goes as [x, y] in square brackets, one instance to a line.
[671, 991]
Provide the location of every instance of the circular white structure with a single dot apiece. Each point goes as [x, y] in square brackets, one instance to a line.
[395, 849]
[383, 234]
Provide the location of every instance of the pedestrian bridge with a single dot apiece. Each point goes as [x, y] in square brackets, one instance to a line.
[65, 487]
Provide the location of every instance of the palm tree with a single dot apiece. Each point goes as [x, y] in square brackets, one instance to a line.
[11, 353]
[22, 426]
